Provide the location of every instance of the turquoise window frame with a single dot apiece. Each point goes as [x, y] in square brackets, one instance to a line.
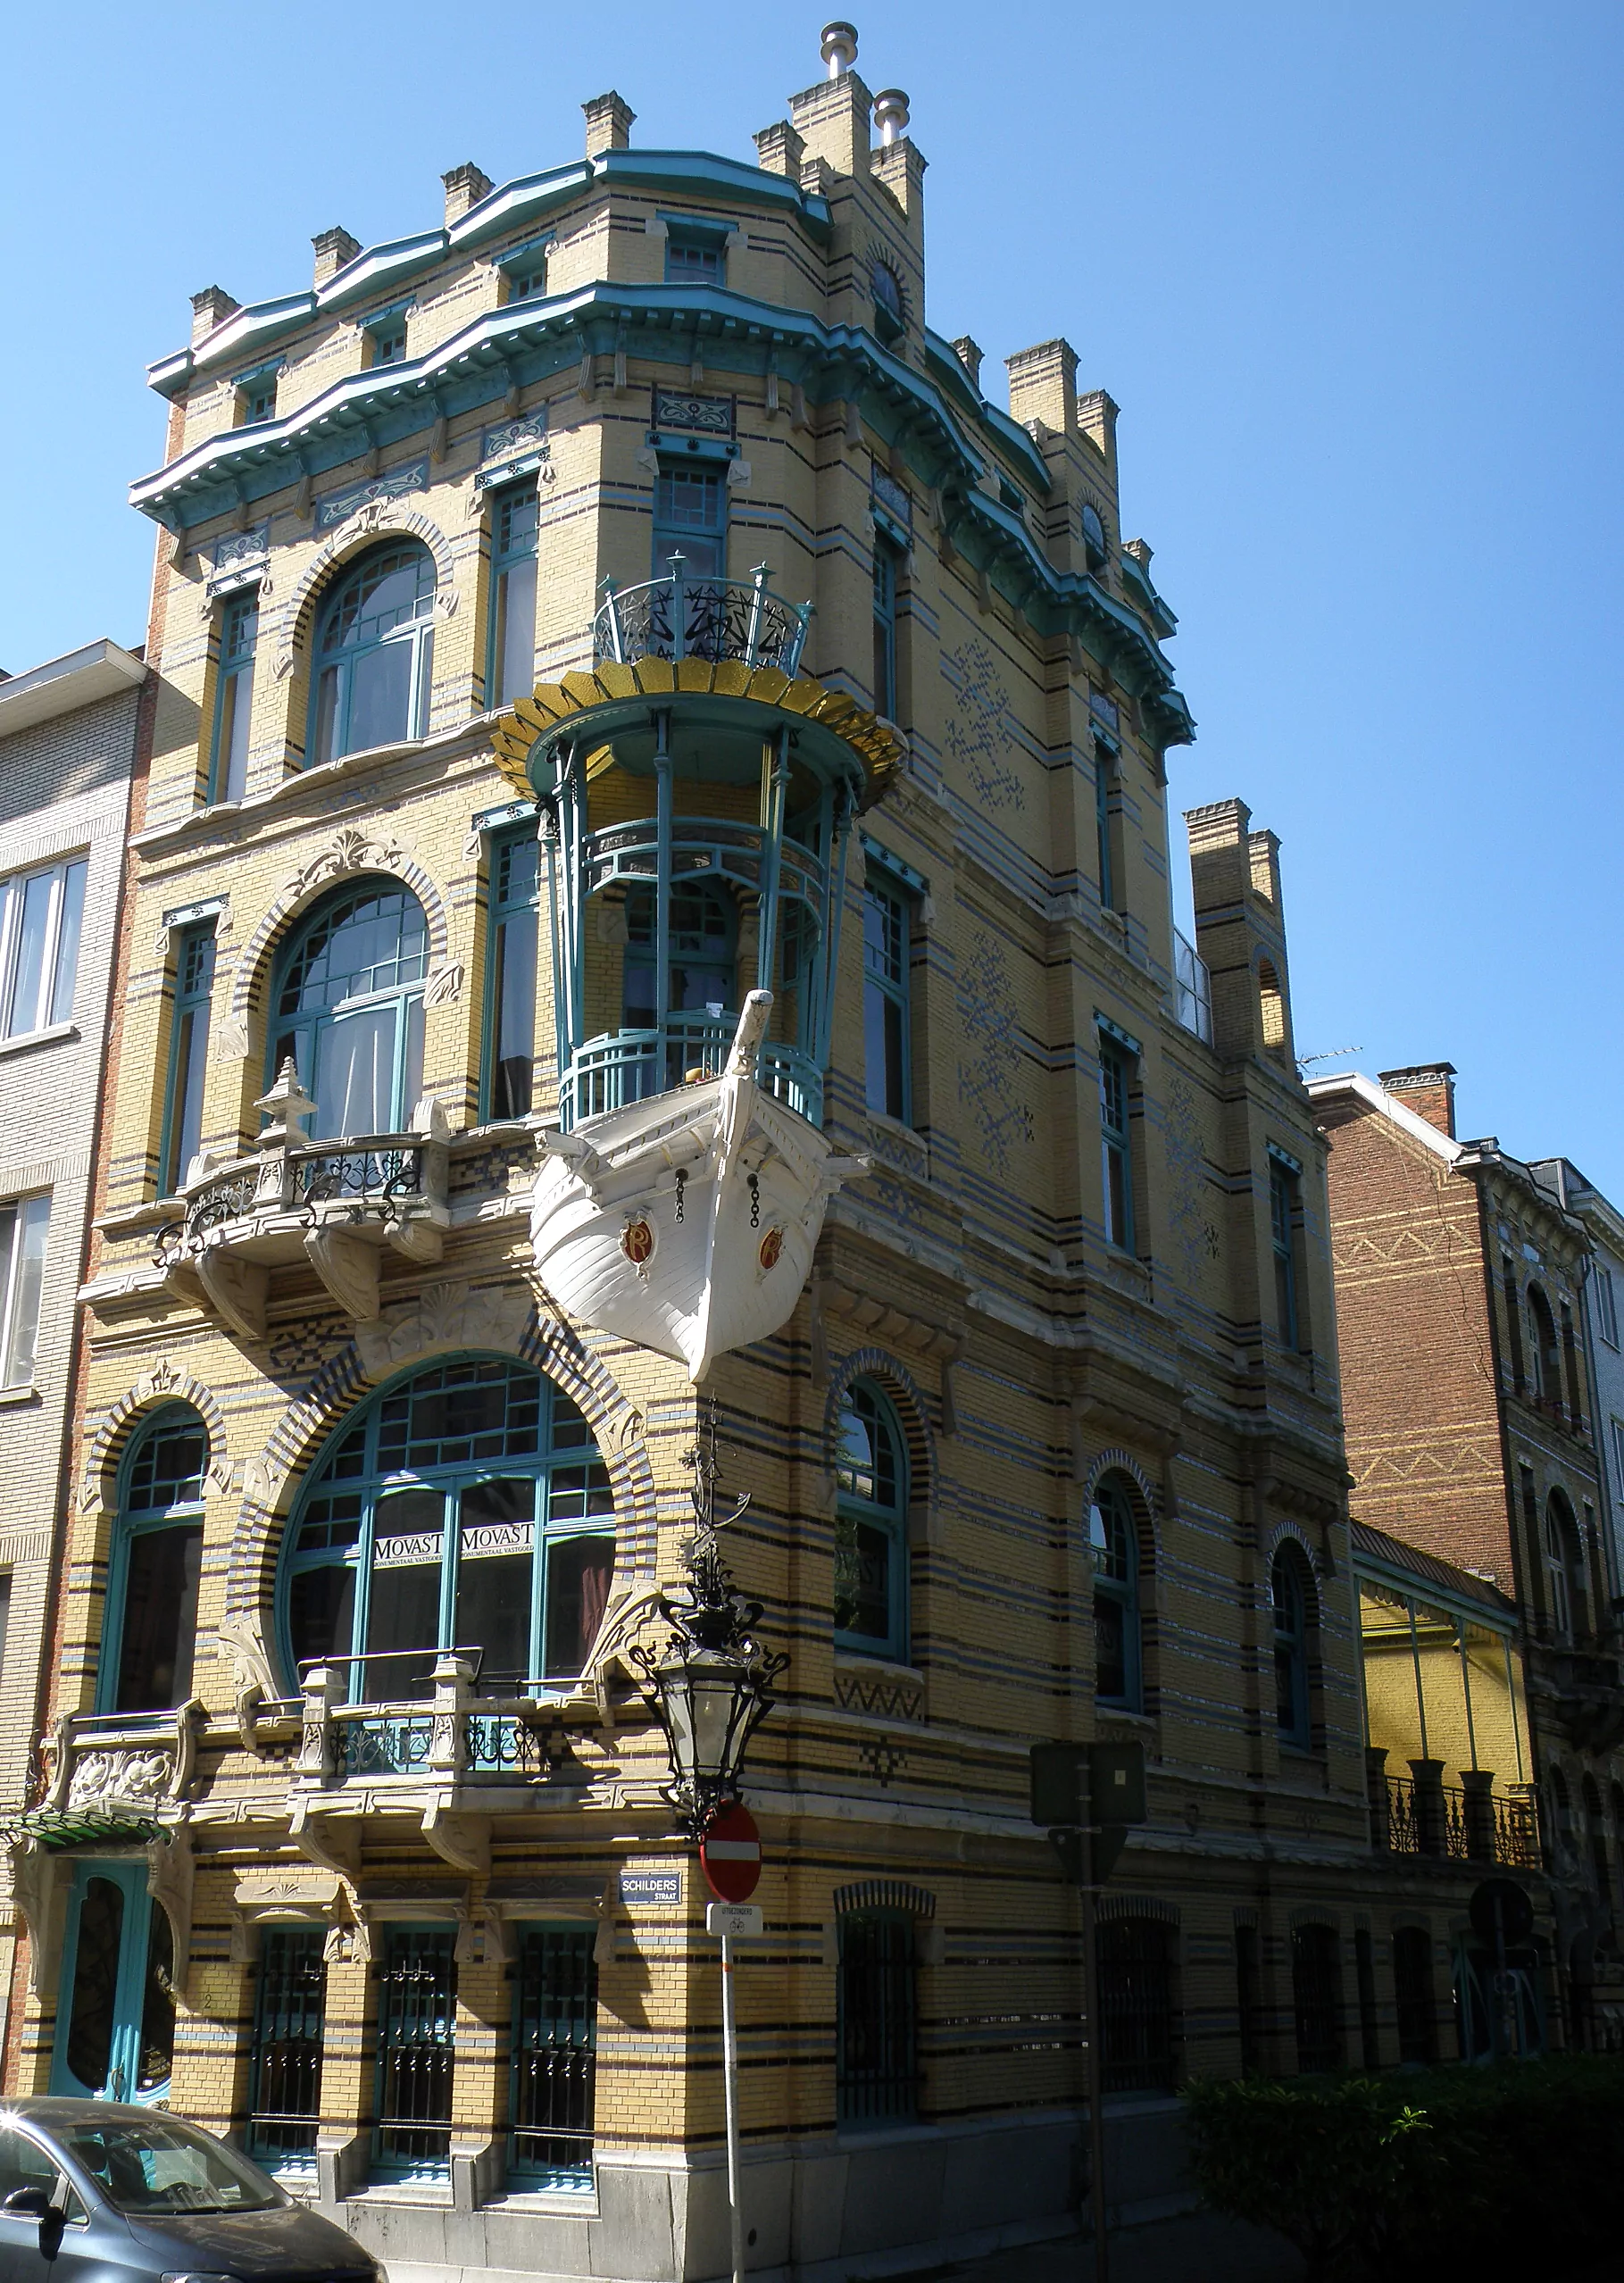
[524, 269]
[234, 696]
[274, 2007]
[128, 2002]
[574, 2178]
[188, 1056]
[136, 1521]
[351, 1474]
[513, 909]
[342, 660]
[385, 335]
[682, 530]
[1119, 1558]
[886, 564]
[696, 253]
[256, 396]
[515, 533]
[883, 1513]
[388, 2164]
[299, 1030]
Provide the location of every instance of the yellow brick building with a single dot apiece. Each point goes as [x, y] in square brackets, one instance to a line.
[449, 860]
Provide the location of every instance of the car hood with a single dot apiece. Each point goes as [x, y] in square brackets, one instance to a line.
[284, 2242]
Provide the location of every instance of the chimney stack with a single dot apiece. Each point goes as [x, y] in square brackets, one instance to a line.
[465, 186]
[609, 123]
[334, 248]
[209, 308]
[1429, 1088]
[969, 355]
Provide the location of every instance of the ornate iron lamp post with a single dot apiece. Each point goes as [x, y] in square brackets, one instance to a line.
[710, 1686]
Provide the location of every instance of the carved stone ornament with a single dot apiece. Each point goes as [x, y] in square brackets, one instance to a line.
[445, 985]
[252, 1681]
[135, 1777]
[350, 850]
[169, 1882]
[444, 1315]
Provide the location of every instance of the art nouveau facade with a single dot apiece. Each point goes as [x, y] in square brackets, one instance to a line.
[565, 987]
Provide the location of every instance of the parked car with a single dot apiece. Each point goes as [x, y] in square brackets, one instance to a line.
[103, 2192]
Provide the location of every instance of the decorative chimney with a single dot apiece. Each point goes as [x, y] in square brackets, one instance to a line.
[891, 114]
[609, 123]
[210, 308]
[779, 150]
[334, 248]
[1043, 385]
[838, 48]
[465, 186]
[1429, 1088]
[969, 355]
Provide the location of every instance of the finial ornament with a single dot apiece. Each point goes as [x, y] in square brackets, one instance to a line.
[288, 1106]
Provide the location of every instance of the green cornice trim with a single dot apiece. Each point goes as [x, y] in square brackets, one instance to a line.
[527, 343]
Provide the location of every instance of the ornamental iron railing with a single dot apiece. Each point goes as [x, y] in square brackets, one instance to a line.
[715, 619]
[288, 2033]
[629, 852]
[1136, 2026]
[876, 2069]
[1444, 1822]
[421, 1719]
[416, 2027]
[383, 1172]
[626, 1066]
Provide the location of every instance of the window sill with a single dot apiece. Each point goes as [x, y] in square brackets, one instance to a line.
[872, 1661]
[49, 1037]
[13, 1398]
[1125, 1714]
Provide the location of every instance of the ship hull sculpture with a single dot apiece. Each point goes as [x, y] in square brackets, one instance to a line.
[687, 1221]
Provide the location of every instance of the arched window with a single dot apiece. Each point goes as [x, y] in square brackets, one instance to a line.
[1293, 1596]
[466, 1508]
[1113, 1539]
[348, 1007]
[1271, 1002]
[374, 647]
[157, 1558]
[871, 1527]
[1547, 1359]
[1564, 1568]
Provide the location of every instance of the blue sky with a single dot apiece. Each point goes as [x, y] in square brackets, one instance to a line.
[1352, 272]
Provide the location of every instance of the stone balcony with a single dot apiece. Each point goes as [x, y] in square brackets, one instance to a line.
[337, 1207]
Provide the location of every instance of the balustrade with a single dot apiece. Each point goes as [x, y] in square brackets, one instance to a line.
[717, 620]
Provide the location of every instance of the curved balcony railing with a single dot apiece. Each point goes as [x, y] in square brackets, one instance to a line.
[380, 1169]
[631, 853]
[712, 619]
[621, 1067]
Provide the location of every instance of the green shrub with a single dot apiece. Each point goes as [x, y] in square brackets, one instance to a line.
[1504, 2172]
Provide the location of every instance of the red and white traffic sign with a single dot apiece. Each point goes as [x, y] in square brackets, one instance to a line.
[731, 1853]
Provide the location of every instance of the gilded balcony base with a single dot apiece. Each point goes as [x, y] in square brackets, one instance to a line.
[687, 1221]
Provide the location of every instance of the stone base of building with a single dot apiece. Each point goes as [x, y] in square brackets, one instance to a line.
[867, 2205]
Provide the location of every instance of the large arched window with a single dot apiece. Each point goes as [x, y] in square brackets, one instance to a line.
[466, 1508]
[871, 1527]
[1292, 1594]
[374, 648]
[347, 1003]
[157, 1558]
[1564, 1568]
[1113, 1539]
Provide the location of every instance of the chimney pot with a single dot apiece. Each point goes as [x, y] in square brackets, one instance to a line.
[334, 248]
[838, 48]
[465, 186]
[609, 123]
[1429, 1088]
[891, 114]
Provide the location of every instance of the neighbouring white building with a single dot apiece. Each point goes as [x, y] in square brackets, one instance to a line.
[68, 742]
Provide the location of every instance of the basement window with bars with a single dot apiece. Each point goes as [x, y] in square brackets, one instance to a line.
[416, 2037]
[554, 2057]
[289, 2023]
[875, 2065]
[1316, 1991]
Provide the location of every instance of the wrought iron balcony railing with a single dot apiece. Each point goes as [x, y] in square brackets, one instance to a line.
[715, 619]
[1444, 1822]
[377, 1170]
[630, 854]
[450, 1734]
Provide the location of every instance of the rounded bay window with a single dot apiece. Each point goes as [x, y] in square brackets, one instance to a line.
[374, 654]
[465, 1508]
[347, 1006]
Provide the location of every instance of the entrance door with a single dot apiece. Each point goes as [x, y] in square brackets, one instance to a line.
[115, 2022]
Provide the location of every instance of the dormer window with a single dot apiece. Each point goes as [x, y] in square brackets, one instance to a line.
[889, 309]
[697, 253]
[256, 397]
[524, 272]
[386, 338]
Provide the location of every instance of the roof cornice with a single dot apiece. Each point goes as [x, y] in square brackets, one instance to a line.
[64, 685]
[523, 344]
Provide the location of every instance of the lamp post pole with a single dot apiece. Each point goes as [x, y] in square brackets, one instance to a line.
[710, 1689]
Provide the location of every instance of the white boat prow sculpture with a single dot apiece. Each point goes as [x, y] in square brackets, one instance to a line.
[687, 1221]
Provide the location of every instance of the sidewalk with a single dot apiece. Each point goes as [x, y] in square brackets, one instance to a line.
[1198, 2248]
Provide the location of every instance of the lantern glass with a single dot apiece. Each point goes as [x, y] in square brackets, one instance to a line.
[703, 1702]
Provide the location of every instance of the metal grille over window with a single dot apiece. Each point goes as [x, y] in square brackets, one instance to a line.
[877, 2073]
[1316, 1990]
[554, 2038]
[288, 2025]
[1136, 1970]
[416, 2036]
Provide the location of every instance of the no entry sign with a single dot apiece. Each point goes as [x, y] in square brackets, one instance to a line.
[731, 1853]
